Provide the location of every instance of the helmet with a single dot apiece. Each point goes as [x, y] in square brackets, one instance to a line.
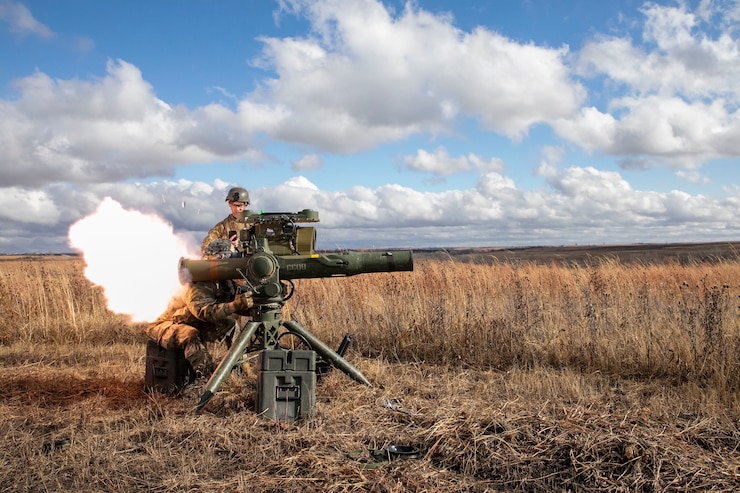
[238, 194]
[218, 249]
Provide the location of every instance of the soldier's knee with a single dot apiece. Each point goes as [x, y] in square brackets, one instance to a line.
[184, 334]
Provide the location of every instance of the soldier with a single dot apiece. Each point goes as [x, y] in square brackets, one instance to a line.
[229, 228]
[207, 312]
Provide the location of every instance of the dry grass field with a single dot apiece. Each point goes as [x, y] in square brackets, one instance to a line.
[515, 374]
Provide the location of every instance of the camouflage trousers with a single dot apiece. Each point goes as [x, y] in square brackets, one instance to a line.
[172, 335]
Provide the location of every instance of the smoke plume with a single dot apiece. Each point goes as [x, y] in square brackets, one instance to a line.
[133, 256]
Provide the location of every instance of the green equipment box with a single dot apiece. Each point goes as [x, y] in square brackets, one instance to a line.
[287, 384]
[167, 370]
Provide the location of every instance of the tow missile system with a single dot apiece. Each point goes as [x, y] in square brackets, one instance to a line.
[276, 252]
[263, 271]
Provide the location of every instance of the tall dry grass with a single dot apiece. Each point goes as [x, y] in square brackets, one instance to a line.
[50, 300]
[642, 321]
[639, 321]
[510, 377]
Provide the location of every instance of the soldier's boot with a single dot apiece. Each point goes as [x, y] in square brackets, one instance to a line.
[199, 358]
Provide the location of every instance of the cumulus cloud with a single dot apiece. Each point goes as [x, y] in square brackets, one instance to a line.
[365, 77]
[31, 206]
[574, 205]
[109, 129]
[665, 130]
[679, 56]
[440, 162]
[680, 89]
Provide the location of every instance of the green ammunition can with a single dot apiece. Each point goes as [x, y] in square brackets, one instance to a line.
[287, 384]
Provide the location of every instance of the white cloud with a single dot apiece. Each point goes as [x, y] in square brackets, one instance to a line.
[680, 89]
[684, 59]
[551, 157]
[366, 77]
[582, 205]
[498, 212]
[590, 129]
[693, 177]
[545, 169]
[21, 20]
[441, 163]
[670, 130]
[592, 183]
[306, 163]
[493, 165]
[32, 206]
[496, 186]
[110, 129]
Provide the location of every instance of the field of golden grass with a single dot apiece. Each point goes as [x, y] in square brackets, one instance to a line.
[513, 376]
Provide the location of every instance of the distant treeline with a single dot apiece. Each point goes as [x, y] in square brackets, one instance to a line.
[583, 255]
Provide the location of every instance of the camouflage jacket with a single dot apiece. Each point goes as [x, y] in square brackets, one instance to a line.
[221, 230]
[203, 305]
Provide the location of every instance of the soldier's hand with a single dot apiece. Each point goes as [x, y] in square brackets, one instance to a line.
[243, 302]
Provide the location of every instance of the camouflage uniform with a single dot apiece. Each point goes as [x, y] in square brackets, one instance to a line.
[221, 230]
[239, 197]
[201, 315]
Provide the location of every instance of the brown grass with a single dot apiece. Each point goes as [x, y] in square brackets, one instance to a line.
[507, 377]
[660, 321]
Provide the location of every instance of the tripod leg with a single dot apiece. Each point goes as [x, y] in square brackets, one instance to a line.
[328, 353]
[227, 363]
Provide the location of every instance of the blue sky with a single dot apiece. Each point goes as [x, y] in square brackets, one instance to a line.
[406, 124]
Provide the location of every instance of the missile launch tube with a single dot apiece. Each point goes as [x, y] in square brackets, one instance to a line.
[263, 265]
